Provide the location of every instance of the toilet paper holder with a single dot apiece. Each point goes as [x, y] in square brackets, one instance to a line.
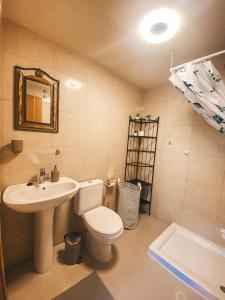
[110, 182]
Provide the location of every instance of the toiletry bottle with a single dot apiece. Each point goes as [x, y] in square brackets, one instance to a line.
[55, 174]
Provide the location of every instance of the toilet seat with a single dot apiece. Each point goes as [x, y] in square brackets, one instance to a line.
[103, 221]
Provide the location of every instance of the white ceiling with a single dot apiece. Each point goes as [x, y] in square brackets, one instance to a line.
[107, 32]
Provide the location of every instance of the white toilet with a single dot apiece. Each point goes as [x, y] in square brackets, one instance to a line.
[103, 224]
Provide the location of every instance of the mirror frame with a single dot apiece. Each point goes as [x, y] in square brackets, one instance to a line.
[40, 76]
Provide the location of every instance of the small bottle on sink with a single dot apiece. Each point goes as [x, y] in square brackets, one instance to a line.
[55, 174]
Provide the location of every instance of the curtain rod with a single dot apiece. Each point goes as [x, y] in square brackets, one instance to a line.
[199, 59]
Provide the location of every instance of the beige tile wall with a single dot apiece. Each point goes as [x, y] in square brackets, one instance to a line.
[92, 130]
[189, 189]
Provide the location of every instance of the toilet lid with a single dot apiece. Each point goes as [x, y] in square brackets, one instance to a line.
[103, 221]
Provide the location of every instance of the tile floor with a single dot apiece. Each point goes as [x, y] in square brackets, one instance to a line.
[131, 275]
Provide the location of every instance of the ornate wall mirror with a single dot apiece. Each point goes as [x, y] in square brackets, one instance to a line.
[36, 100]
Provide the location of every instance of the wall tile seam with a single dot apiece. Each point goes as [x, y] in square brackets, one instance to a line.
[35, 61]
[198, 211]
[206, 154]
[60, 109]
[222, 196]
[28, 149]
[69, 112]
[201, 184]
[185, 191]
[178, 125]
[167, 147]
[192, 143]
[186, 180]
[124, 84]
[217, 186]
[2, 33]
[110, 91]
[166, 174]
[51, 46]
[6, 99]
[183, 197]
[85, 115]
[63, 147]
[70, 74]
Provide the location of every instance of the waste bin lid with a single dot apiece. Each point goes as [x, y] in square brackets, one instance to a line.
[72, 238]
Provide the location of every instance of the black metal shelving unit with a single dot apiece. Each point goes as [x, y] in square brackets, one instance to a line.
[141, 153]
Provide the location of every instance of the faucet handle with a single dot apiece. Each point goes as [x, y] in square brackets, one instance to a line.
[42, 172]
[42, 176]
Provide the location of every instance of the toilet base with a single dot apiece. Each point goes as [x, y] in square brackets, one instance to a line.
[101, 252]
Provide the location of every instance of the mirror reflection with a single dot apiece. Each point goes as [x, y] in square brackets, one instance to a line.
[38, 102]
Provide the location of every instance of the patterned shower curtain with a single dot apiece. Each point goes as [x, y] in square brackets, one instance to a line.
[204, 88]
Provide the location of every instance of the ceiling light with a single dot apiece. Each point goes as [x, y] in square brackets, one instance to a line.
[159, 25]
[73, 84]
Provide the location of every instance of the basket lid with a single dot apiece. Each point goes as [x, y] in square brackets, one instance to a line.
[129, 186]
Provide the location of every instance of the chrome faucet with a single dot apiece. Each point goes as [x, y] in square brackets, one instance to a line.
[42, 175]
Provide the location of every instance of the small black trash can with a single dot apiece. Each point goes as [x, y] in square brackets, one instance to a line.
[73, 243]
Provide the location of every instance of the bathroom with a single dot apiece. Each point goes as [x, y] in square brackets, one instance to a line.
[106, 71]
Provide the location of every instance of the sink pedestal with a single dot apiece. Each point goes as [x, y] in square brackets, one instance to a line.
[43, 246]
[41, 200]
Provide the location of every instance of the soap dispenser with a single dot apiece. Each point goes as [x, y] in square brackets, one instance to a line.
[55, 174]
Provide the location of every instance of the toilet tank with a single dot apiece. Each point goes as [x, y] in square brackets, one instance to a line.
[89, 196]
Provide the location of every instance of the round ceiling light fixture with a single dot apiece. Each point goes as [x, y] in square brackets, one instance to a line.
[159, 25]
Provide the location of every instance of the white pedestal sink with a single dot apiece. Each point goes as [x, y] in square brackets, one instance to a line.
[41, 200]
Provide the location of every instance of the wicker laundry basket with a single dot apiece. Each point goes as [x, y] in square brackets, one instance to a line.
[128, 203]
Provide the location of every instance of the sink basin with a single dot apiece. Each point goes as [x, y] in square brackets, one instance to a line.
[41, 200]
[28, 199]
